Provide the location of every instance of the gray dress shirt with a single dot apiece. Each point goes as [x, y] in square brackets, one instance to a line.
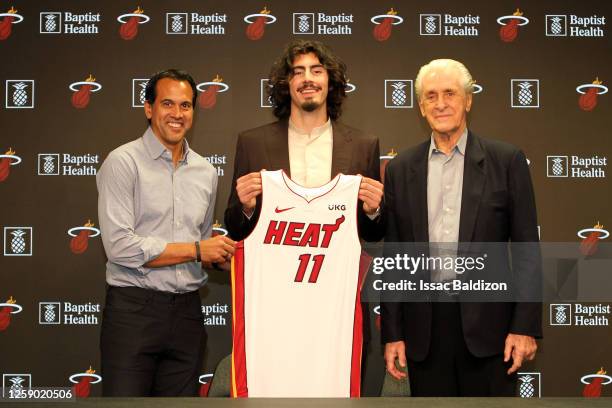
[444, 187]
[144, 203]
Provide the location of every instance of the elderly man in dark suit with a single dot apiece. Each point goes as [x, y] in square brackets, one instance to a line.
[458, 188]
[308, 142]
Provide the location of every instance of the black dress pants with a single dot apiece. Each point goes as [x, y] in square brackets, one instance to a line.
[152, 343]
[451, 370]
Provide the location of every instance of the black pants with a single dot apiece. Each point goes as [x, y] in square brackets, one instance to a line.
[152, 343]
[450, 370]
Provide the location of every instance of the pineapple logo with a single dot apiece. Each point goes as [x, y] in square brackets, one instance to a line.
[431, 24]
[51, 23]
[176, 23]
[18, 241]
[556, 26]
[303, 23]
[525, 93]
[560, 314]
[48, 164]
[557, 166]
[49, 313]
[529, 385]
[139, 87]
[19, 94]
[15, 383]
[398, 93]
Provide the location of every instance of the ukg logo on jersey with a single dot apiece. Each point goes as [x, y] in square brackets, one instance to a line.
[192, 23]
[449, 25]
[66, 22]
[563, 25]
[322, 23]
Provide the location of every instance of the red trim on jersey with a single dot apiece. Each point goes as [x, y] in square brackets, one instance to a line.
[239, 388]
[285, 177]
[364, 265]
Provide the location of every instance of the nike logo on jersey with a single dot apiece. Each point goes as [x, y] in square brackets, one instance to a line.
[280, 210]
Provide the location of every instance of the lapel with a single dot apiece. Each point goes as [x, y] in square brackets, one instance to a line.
[277, 146]
[341, 150]
[417, 186]
[474, 177]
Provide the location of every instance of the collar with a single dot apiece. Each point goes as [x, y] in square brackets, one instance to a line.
[156, 149]
[460, 146]
[315, 132]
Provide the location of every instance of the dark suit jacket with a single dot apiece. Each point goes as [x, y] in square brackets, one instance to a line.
[497, 205]
[266, 147]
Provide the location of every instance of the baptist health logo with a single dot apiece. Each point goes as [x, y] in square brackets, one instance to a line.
[195, 23]
[19, 94]
[576, 166]
[67, 313]
[66, 164]
[18, 241]
[561, 25]
[449, 25]
[525, 93]
[139, 86]
[562, 314]
[530, 385]
[15, 383]
[56, 22]
[322, 23]
[398, 93]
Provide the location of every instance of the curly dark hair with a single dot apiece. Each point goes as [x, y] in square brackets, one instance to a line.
[281, 71]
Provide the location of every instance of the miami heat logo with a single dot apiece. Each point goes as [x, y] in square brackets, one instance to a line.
[592, 389]
[209, 91]
[590, 239]
[82, 382]
[384, 162]
[129, 28]
[384, 24]
[205, 380]
[217, 229]
[509, 31]
[6, 160]
[8, 308]
[6, 25]
[83, 90]
[256, 28]
[588, 99]
[80, 237]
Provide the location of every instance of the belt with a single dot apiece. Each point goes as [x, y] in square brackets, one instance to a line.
[156, 296]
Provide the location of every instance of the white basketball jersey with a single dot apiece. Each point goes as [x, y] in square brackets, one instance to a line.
[296, 280]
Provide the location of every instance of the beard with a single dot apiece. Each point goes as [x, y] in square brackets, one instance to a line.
[310, 106]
